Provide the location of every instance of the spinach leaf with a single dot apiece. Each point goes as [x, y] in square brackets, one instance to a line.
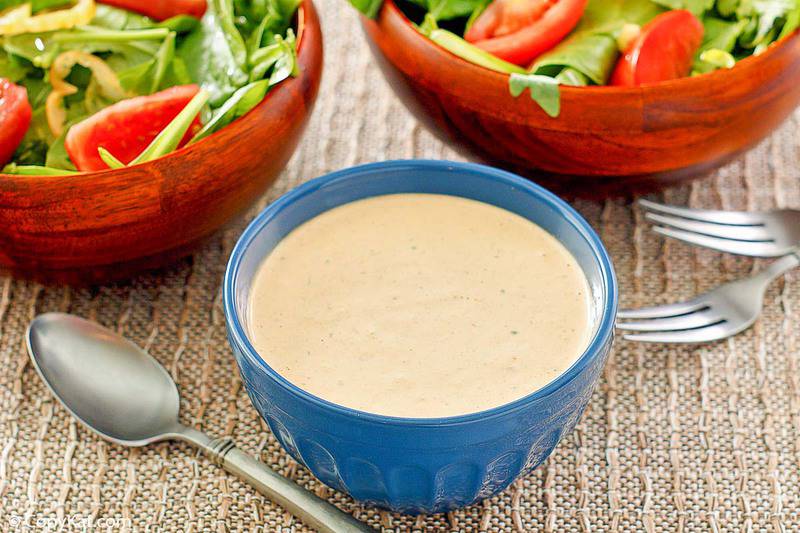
[114, 18]
[592, 54]
[280, 56]
[263, 18]
[180, 24]
[727, 8]
[765, 18]
[286, 65]
[213, 57]
[721, 34]
[792, 23]
[570, 76]
[57, 156]
[544, 90]
[591, 49]
[33, 148]
[369, 8]
[36, 5]
[450, 9]
[698, 7]
[12, 68]
[31, 152]
[127, 47]
[148, 77]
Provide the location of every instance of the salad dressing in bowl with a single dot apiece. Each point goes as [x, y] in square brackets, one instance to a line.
[420, 305]
[419, 464]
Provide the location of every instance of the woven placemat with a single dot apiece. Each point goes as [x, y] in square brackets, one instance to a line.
[675, 438]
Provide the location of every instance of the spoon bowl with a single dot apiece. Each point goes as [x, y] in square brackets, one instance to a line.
[104, 380]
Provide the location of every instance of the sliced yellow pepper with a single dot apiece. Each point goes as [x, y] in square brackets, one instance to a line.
[103, 75]
[19, 20]
[14, 16]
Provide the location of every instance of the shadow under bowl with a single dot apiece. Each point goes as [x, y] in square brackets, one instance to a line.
[97, 226]
[420, 465]
[606, 140]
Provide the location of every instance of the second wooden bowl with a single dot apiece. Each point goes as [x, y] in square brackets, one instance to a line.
[607, 140]
[100, 225]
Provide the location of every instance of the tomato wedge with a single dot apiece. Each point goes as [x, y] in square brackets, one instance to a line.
[126, 128]
[161, 9]
[520, 30]
[664, 50]
[15, 117]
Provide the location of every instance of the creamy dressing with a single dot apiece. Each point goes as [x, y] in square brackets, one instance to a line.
[419, 305]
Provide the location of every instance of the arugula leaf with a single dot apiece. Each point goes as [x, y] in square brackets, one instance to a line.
[591, 49]
[543, 89]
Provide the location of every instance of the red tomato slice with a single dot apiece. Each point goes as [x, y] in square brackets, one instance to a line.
[664, 50]
[127, 127]
[161, 9]
[520, 30]
[15, 117]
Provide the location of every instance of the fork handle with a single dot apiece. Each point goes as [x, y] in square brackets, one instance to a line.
[779, 267]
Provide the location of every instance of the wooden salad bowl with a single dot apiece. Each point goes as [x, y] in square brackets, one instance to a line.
[97, 226]
[606, 140]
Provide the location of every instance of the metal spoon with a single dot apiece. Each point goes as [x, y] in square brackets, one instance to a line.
[124, 395]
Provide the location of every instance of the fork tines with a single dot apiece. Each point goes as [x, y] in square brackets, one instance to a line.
[726, 231]
[685, 322]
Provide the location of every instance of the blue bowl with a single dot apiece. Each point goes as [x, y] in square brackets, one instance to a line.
[420, 465]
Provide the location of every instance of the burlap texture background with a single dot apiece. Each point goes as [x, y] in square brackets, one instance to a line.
[675, 438]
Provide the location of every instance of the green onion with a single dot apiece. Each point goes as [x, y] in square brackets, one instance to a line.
[169, 138]
[458, 46]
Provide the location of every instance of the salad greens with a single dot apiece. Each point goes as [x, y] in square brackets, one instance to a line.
[235, 53]
[734, 29]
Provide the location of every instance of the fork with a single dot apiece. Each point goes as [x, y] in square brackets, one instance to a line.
[757, 234]
[720, 313]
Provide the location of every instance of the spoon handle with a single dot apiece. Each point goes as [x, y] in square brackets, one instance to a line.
[311, 509]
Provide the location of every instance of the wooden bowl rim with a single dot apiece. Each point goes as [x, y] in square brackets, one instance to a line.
[303, 56]
[571, 91]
